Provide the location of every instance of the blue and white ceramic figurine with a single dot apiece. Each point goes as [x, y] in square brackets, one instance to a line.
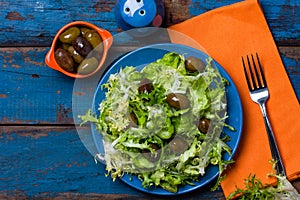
[139, 13]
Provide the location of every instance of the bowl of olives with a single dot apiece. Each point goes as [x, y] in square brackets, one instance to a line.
[79, 49]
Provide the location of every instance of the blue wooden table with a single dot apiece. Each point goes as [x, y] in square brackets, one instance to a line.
[41, 154]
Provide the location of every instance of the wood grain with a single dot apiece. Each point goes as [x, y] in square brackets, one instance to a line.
[50, 162]
[34, 23]
[42, 156]
[95, 196]
[291, 60]
[26, 77]
[43, 162]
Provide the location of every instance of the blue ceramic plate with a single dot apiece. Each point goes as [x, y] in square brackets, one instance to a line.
[145, 55]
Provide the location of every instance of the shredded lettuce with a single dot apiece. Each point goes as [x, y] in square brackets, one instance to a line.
[156, 123]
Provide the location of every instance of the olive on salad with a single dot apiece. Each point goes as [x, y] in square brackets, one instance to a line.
[179, 101]
[194, 64]
[145, 86]
[203, 125]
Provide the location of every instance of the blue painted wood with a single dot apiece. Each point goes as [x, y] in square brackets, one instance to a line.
[290, 57]
[39, 160]
[36, 22]
[32, 93]
[27, 23]
[43, 161]
[41, 154]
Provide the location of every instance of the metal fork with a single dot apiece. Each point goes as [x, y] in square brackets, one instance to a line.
[259, 93]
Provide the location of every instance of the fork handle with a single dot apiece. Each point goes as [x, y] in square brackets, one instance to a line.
[272, 141]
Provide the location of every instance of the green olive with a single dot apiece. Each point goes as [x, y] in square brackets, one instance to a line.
[69, 35]
[97, 52]
[83, 30]
[64, 60]
[142, 162]
[65, 46]
[203, 125]
[75, 55]
[88, 65]
[178, 145]
[178, 101]
[93, 37]
[165, 134]
[194, 64]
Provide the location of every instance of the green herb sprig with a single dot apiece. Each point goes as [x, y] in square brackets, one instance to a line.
[256, 190]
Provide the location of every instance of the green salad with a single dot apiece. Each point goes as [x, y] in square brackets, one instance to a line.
[164, 123]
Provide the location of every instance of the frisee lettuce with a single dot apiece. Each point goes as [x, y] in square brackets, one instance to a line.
[255, 189]
[158, 123]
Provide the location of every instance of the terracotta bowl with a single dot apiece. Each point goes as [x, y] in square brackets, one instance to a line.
[106, 42]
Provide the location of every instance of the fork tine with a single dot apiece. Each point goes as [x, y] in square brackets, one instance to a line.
[246, 75]
[258, 77]
[254, 86]
[254, 73]
[261, 71]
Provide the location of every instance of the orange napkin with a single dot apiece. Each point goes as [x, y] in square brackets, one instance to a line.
[226, 34]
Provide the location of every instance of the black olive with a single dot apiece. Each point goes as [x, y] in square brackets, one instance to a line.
[133, 122]
[178, 145]
[194, 64]
[178, 101]
[82, 46]
[64, 60]
[145, 86]
[152, 156]
[203, 125]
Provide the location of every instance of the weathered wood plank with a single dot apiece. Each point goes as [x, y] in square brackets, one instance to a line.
[46, 160]
[25, 77]
[77, 196]
[43, 162]
[291, 60]
[50, 162]
[34, 23]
